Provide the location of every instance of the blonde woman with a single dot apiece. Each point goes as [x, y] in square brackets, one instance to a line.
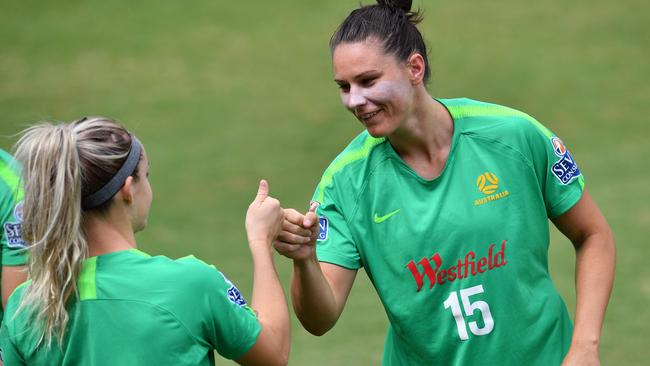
[94, 299]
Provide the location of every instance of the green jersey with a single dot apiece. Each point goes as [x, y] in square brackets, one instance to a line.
[460, 261]
[11, 194]
[135, 309]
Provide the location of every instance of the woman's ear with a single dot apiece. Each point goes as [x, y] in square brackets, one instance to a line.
[417, 67]
[127, 190]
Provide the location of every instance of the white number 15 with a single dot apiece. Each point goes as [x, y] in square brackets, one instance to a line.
[469, 307]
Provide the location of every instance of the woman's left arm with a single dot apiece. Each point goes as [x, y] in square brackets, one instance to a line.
[593, 240]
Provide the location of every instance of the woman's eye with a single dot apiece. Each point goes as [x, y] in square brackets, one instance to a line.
[367, 82]
[344, 87]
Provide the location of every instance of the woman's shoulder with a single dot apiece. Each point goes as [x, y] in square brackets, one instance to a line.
[198, 268]
[352, 165]
[491, 120]
[9, 171]
[189, 267]
[146, 269]
[360, 150]
[6, 158]
[471, 109]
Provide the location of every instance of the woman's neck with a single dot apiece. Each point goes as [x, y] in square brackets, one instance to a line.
[424, 140]
[107, 234]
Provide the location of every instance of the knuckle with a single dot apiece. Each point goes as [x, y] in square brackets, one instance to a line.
[288, 227]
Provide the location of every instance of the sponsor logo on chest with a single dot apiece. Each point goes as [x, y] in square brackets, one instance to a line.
[438, 272]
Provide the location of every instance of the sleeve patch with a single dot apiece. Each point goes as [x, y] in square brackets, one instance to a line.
[565, 169]
[323, 225]
[233, 293]
[235, 296]
[12, 230]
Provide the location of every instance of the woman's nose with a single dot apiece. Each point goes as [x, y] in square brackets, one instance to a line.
[355, 98]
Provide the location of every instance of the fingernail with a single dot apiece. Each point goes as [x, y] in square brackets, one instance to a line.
[313, 206]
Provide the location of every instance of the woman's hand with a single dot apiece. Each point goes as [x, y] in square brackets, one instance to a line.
[263, 218]
[263, 223]
[297, 239]
[581, 356]
[319, 290]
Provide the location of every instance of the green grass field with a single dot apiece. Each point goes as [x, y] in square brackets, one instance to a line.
[225, 93]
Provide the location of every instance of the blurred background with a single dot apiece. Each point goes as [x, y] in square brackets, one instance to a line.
[225, 93]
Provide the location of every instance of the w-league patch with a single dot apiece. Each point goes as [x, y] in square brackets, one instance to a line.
[233, 293]
[235, 296]
[12, 229]
[323, 226]
[565, 169]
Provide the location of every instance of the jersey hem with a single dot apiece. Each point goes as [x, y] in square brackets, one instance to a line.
[248, 346]
[565, 205]
[338, 260]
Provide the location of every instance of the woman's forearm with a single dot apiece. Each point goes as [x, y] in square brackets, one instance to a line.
[595, 263]
[313, 299]
[269, 302]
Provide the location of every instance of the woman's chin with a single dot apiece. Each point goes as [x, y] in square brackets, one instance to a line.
[375, 133]
[377, 130]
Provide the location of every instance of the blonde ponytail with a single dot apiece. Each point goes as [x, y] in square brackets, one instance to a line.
[61, 163]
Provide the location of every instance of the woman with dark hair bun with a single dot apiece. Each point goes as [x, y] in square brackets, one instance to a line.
[445, 203]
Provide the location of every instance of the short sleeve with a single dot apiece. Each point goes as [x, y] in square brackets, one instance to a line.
[335, 243]
[14, 252]
[560, 178]
[233, 326]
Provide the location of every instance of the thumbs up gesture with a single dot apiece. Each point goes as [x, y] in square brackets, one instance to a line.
[263, 218]
[297, 239]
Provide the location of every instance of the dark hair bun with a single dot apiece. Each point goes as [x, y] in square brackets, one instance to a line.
[390, 21]
[404, 5]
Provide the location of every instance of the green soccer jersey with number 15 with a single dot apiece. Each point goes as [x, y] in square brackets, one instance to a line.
[135, 309]
[460, 261]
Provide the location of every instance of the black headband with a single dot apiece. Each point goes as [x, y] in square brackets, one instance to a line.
[113, 186]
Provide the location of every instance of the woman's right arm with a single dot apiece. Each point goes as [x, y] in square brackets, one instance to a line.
[263, 222]
[318, 290]
[12, 276]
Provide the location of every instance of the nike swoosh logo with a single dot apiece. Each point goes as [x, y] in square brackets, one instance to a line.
[380, 219]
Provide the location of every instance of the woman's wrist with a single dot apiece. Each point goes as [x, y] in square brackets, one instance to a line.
[304, 263]
[586, 342]
[259, 246]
